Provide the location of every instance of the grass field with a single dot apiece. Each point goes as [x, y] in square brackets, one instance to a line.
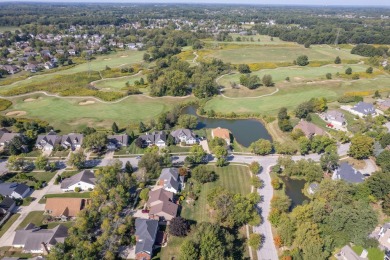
[116, 84]
[8, 223]
[67, 114]
[234, 178]
[373, 253]
[291, 95]
[296, 73]
[8, 28]
[254, 54]
[264, 40]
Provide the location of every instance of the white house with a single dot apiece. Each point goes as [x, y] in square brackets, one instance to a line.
[72, 141]
[155, 138]
[184, 136]
[170, 180]
[335, 118]
[84, 180]
[14, 190]
[48, 142]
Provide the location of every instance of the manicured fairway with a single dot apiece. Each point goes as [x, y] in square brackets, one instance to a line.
[234, 178]
[67, 114]
[290, 95]
[296, 73]
[256, 54]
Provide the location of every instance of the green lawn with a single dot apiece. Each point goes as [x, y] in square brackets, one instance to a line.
[68, 115]
[70, 195]
[117, 84]
[264, 40]
[8, 223]
[37, 217]
[290, 95]
[373, 253]
[281, 53]
[234, 178]
[296, 73]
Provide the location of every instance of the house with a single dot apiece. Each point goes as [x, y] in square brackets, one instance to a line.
[335, 117]
[7, 205]
[65, 208]
[184, 136]
[14, 190]
[363, 109]
[384, 236]
[309, 129]
[31, 67]
[10, 69]
[346, 253]
[49, 65]
[313, 187]
[85, 180]
[117, 141]
[347, 173]
[155, 138]
[72, 141]
[48, 142]
[161, 205]
[72, 52]
[7, 137]
[145, 236]
[170, 180]
[384, 105]
[221, 133]
[35, 240]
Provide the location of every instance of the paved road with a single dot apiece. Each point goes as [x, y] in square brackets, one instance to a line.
[8, 237]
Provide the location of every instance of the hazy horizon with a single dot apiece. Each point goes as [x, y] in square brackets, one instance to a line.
[349, 3]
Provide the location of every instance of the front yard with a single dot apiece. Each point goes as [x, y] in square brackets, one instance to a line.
[37, 218]
[32, 179]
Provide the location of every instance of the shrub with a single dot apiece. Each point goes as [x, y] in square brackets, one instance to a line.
[349, 99]
[77, 189]
[369, 70]
[302, 60]
[328, 76]
[348, 71]
[276, 184]
[355, 76]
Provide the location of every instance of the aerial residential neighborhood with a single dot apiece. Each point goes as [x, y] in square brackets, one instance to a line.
[241, 130]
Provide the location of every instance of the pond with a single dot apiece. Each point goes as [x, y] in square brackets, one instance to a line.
[245, 131]
[293, 189]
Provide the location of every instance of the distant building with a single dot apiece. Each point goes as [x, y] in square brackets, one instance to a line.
[363, 109]
[155, 138]
[184, 136]
[48, 141]
[309, 129]
[221, 133]
[335, 117]
[117, 141]
[84, 180]
[347, 173]
[384, 105]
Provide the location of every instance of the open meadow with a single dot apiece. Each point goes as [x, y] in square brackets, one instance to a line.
[238, 54]
[71, 114]
[117, 84]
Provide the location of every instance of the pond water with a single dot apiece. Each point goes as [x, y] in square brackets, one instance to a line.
[294, 191]
[245, 131]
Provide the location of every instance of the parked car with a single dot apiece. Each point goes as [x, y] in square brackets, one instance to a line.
[145, 211]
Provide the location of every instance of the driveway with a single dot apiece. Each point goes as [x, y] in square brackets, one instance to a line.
[268, 250]
[7, 238]
[205, 145]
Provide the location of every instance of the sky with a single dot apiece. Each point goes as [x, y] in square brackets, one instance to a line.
[273, 2]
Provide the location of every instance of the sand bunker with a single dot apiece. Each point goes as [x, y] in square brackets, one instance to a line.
[88, 102]
[298, 78]
[16, 113]
[108, 59]
[31, 99]
[124, 56]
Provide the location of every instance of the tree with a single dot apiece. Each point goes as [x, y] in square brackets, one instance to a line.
[337, 60]
[369, 70]
[307, 45]
[244, 69]
[328, 75]
[348, 71]
[77, 160]
[16, 163]
[95, 141]
[115, 128]
[141, 127]
[188, 121]
[261, 147]
[203, 174]
[257, 182]
[196, 155]
[189, 250]
[144, 194]
[220, 152]
[329, 161]
[139, 142]
[267, 80]
[255, 240]
[302, 60]
[361, 146]
[41, 162]
[179, 227]
[129, 168]
[383, 160]
[16, 146]
[152, 163]
[255, 167]
[379, 184]
[304, 145]
[355, 76]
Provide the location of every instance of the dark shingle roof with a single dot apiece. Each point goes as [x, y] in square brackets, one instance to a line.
[7, 188]
[146, 231]
[347, 173]
[364, 108]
